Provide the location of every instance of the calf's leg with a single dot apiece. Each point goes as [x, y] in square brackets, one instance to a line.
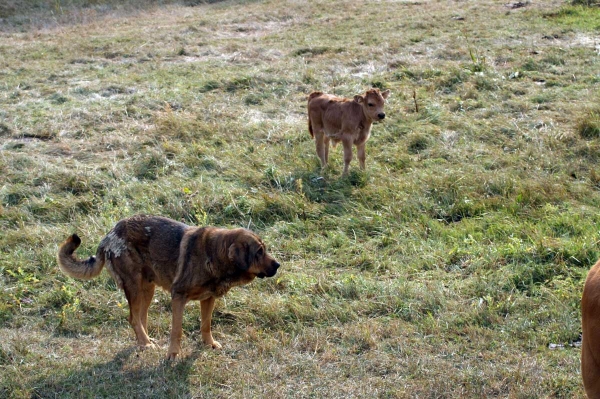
[360, 149]
[322, 144]
[347, 155]
[326, 141]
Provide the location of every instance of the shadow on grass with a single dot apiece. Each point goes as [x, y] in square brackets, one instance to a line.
[301, 194]
[327, 185]
[123, 376]
[332, 190]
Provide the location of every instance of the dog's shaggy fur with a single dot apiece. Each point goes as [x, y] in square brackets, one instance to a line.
[192, 263]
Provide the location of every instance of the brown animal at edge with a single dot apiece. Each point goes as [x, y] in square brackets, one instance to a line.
[192, 263]
[344, 120]
[590, 326]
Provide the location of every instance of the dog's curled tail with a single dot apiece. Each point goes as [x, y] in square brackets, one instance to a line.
[71, 266]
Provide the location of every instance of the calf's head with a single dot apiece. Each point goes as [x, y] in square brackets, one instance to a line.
[373, 102]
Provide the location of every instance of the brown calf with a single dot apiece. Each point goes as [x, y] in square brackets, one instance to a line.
[590, 325]
[344, 120]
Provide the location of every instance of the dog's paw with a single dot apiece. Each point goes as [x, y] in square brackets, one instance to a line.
[208, 340]
[149, 345]
[173, 351]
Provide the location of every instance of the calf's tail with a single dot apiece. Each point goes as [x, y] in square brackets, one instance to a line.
[310, 97]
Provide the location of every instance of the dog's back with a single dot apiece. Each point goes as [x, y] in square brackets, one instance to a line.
[144, 245]
[149, 240]
[155, 235]
[590, 325]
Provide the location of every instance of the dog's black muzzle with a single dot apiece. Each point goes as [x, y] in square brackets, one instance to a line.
[271, 272]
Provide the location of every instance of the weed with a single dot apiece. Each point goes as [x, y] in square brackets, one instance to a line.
[310, 51]
[5, 130]
[588, 126]
[418, 143]
[478, 61]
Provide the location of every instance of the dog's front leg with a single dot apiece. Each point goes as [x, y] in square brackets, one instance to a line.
[206, 307]
[177, 305]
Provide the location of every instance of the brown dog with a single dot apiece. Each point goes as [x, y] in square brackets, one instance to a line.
[344, 120]
[590, 325]
[200, 263]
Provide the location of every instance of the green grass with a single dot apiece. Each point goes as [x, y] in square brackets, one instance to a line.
[579, 16]
[446, 269]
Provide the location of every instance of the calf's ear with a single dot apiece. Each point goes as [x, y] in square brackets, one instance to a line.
[385, 94]
[359, 99]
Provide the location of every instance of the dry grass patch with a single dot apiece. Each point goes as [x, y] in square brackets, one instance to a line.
[449, 268]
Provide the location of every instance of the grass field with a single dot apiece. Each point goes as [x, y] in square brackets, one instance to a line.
[451, 268]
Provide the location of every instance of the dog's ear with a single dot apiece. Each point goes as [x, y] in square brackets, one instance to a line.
[239, 255]
[244, 251]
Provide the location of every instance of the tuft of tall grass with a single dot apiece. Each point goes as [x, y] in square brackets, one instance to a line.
[588, 126]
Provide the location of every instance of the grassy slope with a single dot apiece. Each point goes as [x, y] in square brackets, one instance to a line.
[446, 270]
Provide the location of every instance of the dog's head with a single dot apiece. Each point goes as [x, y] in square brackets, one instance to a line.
[249, 254]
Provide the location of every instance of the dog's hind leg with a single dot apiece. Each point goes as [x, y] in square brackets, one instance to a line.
[207, 306]
[135, 297]
[147, 295]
